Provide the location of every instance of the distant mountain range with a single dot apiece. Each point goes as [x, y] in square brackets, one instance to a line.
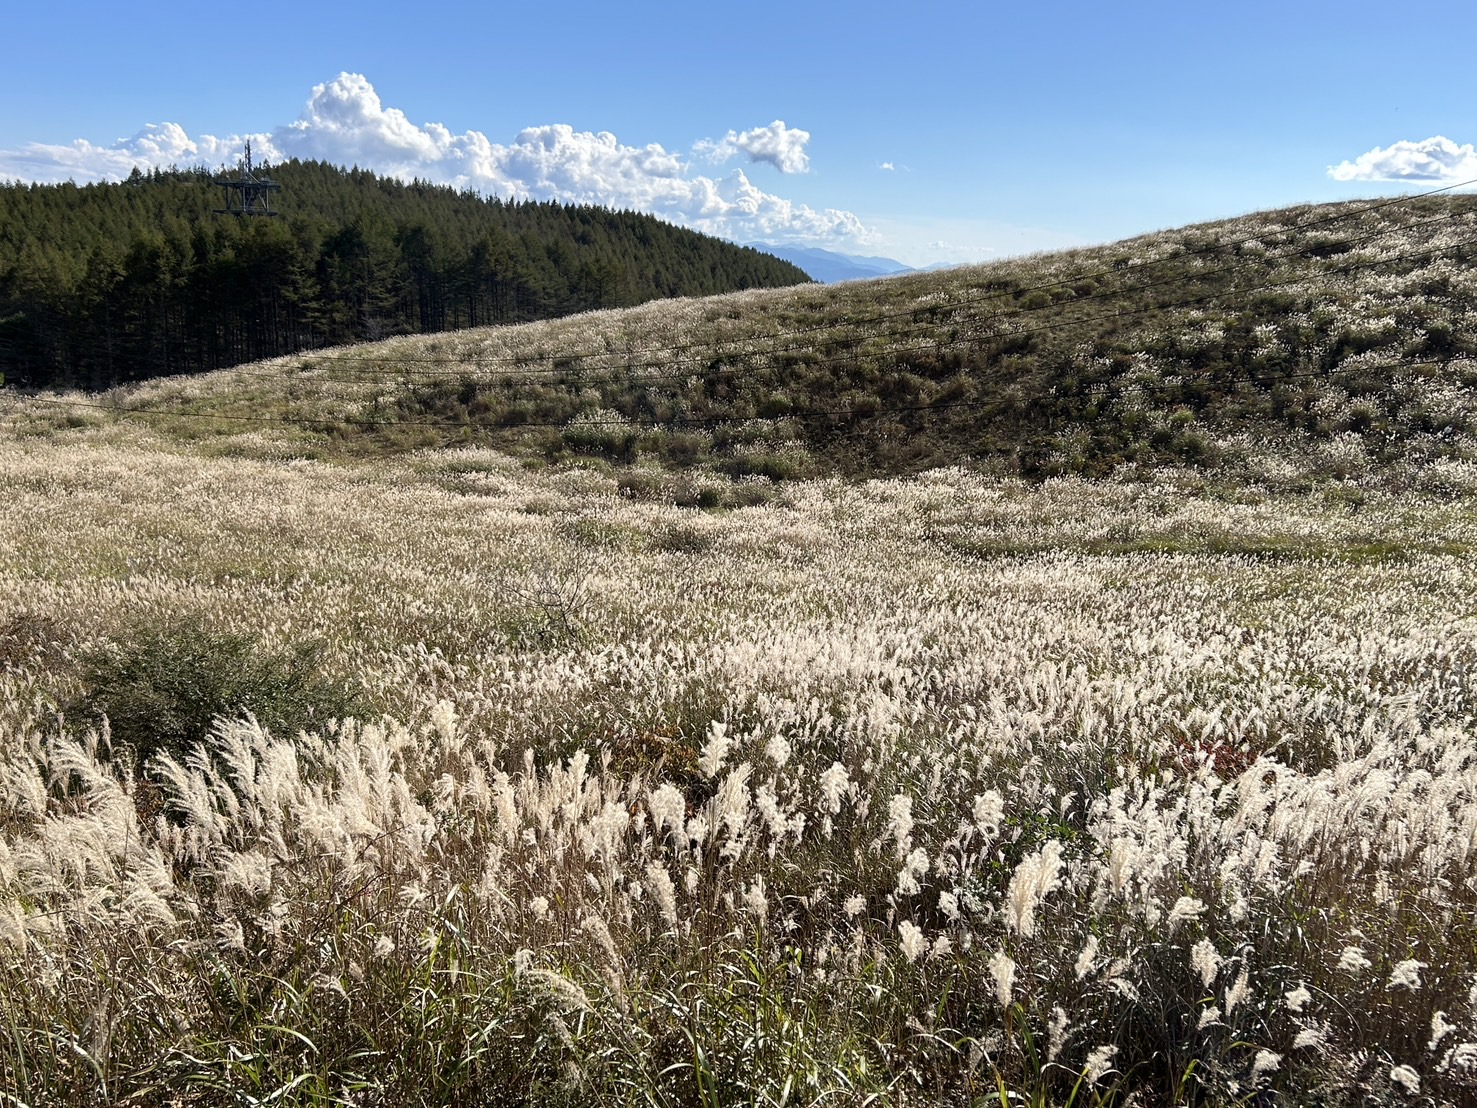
[828, 267]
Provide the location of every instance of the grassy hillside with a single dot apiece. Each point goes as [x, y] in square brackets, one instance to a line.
[337, 772]
[1332, 342]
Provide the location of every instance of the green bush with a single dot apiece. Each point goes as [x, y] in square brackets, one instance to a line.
[161, 686]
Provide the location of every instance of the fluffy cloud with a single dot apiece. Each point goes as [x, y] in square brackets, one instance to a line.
[1435, 159]
[782, 147]
[158, 144]
[344, 119]
[344, 122]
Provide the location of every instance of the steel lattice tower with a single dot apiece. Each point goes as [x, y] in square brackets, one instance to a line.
[249, 193]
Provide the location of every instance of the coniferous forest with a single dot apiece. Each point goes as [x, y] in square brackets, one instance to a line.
[107, 283]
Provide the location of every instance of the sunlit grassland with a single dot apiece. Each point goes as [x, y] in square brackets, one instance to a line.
[933, 790]
[1048, 683]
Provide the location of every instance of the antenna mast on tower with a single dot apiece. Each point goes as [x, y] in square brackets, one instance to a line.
[249, 192]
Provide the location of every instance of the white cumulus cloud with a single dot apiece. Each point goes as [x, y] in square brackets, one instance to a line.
[781, 146]
[1436, 159]
[345, 122]
[158, 144]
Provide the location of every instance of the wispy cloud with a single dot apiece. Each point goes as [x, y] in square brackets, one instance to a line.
[345, 122]
[1435, 160]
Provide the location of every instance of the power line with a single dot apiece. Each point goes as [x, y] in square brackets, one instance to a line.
[870, 412]
[716, 346]
[892, 350]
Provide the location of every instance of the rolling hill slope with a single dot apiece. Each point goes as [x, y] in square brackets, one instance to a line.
[1333, 341]
[829, 267]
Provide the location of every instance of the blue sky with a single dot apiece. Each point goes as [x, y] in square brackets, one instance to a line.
[938, 131]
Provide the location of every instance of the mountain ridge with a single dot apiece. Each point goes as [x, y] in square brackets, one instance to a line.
[830, 266]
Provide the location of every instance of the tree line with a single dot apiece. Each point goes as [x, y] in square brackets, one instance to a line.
[107, 283]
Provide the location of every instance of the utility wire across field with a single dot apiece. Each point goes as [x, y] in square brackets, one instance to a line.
[653, 422]
[517, 366]
[723, 350]
[965, 301]
[716, 345]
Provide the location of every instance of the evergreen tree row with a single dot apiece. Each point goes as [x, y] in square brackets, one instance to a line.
[106, 283]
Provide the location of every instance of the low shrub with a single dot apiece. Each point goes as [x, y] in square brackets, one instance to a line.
[162, 685]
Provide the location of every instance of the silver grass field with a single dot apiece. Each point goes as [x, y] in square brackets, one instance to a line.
[939, 790]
